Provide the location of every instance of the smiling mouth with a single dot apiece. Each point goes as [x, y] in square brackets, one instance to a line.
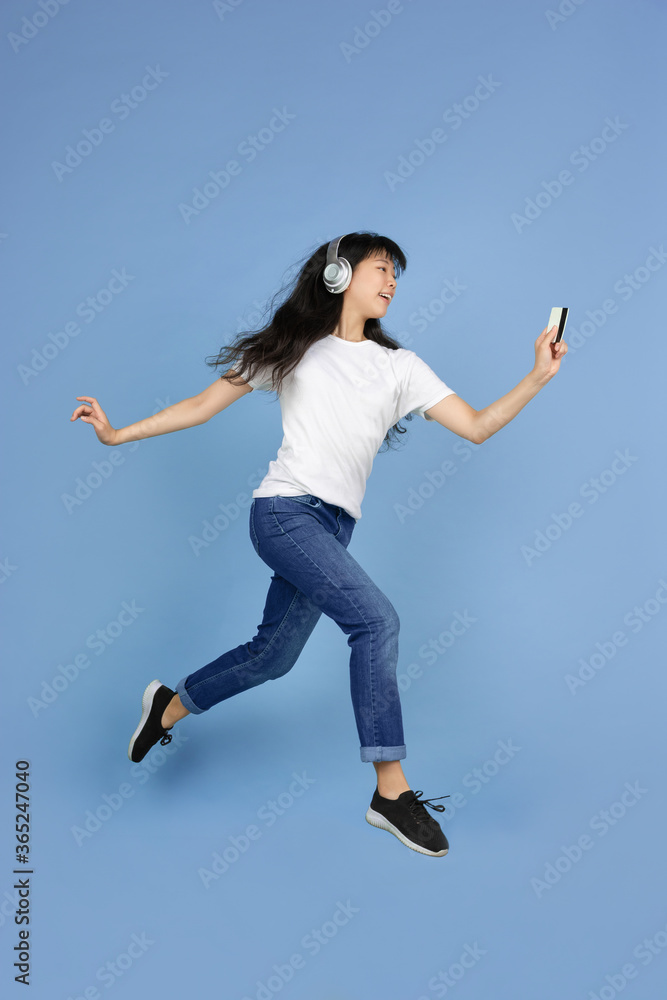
[384, 296]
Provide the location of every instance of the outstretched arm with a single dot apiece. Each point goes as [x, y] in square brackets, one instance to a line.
[188, 413]
[478, 425]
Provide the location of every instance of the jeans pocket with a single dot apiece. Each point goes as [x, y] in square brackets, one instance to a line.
[251, 526]
[346, 525]
[305, 498]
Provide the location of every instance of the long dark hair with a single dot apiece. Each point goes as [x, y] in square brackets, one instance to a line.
[308, 313]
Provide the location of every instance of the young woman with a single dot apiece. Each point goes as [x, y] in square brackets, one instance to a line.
[343, 385]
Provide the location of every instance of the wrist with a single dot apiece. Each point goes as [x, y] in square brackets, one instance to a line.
[538, 379]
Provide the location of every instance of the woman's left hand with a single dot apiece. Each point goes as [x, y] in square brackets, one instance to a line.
[548, 356]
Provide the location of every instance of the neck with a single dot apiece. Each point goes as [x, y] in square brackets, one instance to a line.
[350, 328]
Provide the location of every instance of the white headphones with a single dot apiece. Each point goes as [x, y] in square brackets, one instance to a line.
[337, 273]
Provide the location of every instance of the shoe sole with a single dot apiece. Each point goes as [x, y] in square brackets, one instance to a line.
[382, 823]
[146, 705]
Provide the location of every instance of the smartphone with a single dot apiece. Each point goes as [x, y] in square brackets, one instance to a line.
[558, 318]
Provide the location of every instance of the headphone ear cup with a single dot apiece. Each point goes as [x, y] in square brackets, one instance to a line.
[337, 276]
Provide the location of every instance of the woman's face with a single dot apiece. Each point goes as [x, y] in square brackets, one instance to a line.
[372, 287]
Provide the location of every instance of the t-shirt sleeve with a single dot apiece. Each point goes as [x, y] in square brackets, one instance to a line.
[261, 379]
[421, 388]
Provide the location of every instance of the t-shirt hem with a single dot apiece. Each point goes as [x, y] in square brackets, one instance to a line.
[270, 491]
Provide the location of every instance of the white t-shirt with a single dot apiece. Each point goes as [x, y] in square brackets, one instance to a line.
[337, 406]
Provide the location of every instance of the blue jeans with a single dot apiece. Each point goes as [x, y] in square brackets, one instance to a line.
[304, 541]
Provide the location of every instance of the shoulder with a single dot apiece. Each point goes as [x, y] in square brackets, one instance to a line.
[401, 358]
[400, 355]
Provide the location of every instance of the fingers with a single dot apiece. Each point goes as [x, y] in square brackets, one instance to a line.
[95, 406]
[559, 350]
[81, 411]
[93, 411]
[546, 332]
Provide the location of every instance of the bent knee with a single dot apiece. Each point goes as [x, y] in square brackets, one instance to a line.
[388, 620]
[279, 670]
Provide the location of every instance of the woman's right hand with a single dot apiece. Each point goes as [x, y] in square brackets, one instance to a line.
[92, 413]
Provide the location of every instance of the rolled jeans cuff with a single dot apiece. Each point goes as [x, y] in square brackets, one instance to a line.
[383, 753]
[186, 699]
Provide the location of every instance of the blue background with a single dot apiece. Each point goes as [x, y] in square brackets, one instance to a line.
[361, 100]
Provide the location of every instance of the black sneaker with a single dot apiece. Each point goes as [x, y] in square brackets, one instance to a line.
[155, 699]
[408, 820]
